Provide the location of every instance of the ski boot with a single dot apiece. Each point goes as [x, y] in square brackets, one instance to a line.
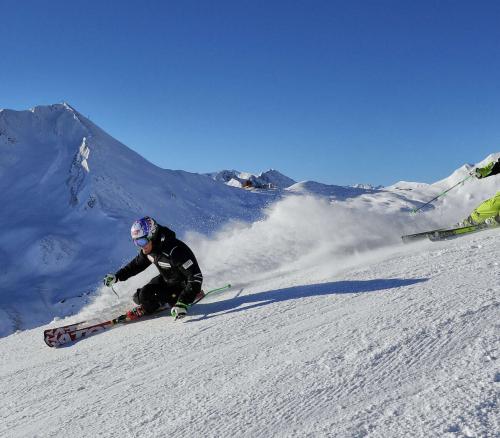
[135, 313]
[492, 221]
[468, 222]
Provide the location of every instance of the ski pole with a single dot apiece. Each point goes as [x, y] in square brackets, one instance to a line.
[115, 291]
[227, 286]
[441, 194]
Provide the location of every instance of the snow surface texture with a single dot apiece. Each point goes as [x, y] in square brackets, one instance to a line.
[333, 327]
[405, 344]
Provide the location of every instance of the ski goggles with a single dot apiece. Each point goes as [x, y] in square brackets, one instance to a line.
[141, 242]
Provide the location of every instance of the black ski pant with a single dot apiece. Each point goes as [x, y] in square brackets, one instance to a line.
[157, 293]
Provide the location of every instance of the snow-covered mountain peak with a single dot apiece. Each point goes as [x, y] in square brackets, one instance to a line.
[68, 106]
[270, 179]
[48, 110]
[43, 124]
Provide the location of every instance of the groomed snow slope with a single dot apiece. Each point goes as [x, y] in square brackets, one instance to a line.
[402, 343]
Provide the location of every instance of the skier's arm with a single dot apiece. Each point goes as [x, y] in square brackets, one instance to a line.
[138, 264]
[492, 168]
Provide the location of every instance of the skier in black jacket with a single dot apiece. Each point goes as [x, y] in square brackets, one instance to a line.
[180, 276]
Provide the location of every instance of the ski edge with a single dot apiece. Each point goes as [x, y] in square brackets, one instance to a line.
[444, 233]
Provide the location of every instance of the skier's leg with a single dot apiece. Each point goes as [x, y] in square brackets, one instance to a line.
[488, 209]
[170, 294]
[150, 296]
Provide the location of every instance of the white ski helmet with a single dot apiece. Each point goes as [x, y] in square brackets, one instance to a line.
[144, 228]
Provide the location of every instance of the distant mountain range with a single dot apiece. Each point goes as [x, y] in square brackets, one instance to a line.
[271, 179]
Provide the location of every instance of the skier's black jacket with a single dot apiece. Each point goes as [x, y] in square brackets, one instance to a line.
[175, 261]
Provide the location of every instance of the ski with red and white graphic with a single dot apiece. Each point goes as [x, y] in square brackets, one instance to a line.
[62, 335]
[58, 336]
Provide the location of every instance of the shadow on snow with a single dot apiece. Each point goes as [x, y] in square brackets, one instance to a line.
[241, 303]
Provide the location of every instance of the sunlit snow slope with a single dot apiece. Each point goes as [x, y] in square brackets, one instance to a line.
[404, 342]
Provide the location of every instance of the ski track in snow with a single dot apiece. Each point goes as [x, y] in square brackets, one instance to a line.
[403, 346]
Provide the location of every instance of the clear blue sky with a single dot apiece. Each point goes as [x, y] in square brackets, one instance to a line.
[334, 91]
